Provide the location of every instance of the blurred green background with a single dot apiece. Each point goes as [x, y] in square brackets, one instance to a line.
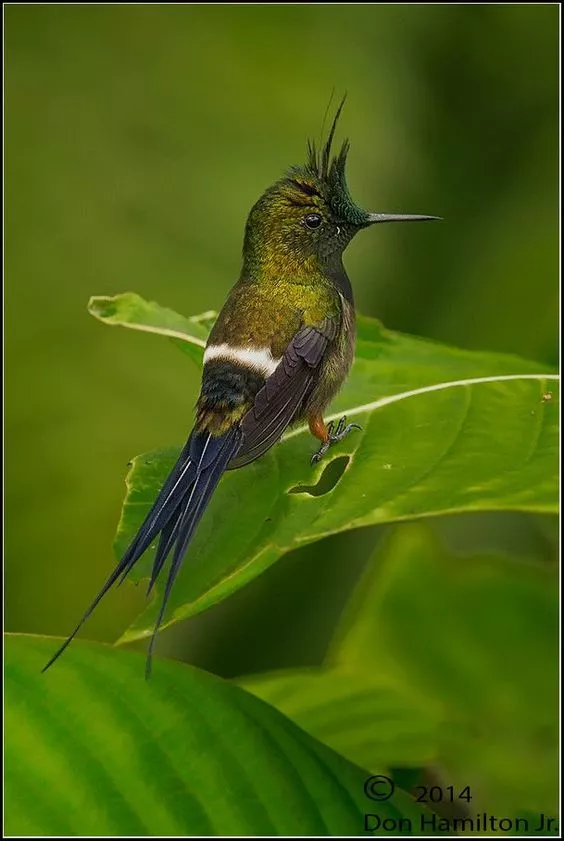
[137, 139]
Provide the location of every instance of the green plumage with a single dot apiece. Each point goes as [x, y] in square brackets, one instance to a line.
[279, 352]
[293, 276]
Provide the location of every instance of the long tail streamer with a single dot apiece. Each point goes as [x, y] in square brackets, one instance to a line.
[174, 516]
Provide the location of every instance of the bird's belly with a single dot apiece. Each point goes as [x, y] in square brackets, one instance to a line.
[335, 367]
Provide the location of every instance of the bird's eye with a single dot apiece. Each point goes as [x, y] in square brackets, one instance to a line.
[313, 220]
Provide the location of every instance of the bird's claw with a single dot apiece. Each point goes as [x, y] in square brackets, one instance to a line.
[341, 432]
[343, 429]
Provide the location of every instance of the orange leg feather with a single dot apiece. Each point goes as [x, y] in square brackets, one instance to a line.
[317, 427]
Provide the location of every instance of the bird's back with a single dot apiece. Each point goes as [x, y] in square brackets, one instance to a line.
[249, 339]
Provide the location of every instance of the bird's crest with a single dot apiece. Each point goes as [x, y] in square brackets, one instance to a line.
[320, 164]
[325, 174]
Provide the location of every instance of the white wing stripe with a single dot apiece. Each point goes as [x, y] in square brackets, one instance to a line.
[261, 359]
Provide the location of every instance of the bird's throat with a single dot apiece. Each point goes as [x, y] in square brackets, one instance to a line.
[267, 265]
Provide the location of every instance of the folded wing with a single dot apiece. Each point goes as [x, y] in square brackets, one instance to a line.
[283, 393]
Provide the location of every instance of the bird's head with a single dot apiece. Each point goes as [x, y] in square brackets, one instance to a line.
[309, 216]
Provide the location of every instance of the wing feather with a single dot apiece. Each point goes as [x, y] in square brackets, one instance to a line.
[277, 402]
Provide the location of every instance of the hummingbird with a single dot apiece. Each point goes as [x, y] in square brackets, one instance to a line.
[278, 353]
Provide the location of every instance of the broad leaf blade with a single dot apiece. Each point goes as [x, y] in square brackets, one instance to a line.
[389, 363]
[443, 659]
[94, 749]
[472, 447]
[478, 635]
[362, 713]
[130, 310]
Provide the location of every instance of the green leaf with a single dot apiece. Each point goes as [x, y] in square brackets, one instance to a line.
[130, 310]
[455, 456]
[478, 635]
[467, 649]
[444, 430]
[94, 749]
[365, 714]
[356, 703]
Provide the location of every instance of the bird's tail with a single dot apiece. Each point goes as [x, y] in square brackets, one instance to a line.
[174, 516]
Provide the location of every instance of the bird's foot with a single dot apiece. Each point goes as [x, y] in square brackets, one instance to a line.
[342, 430]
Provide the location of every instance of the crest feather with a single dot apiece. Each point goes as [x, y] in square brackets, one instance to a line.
[320, 164]
[327, 175]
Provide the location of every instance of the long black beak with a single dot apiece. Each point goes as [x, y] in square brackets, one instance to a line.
[399, 217]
